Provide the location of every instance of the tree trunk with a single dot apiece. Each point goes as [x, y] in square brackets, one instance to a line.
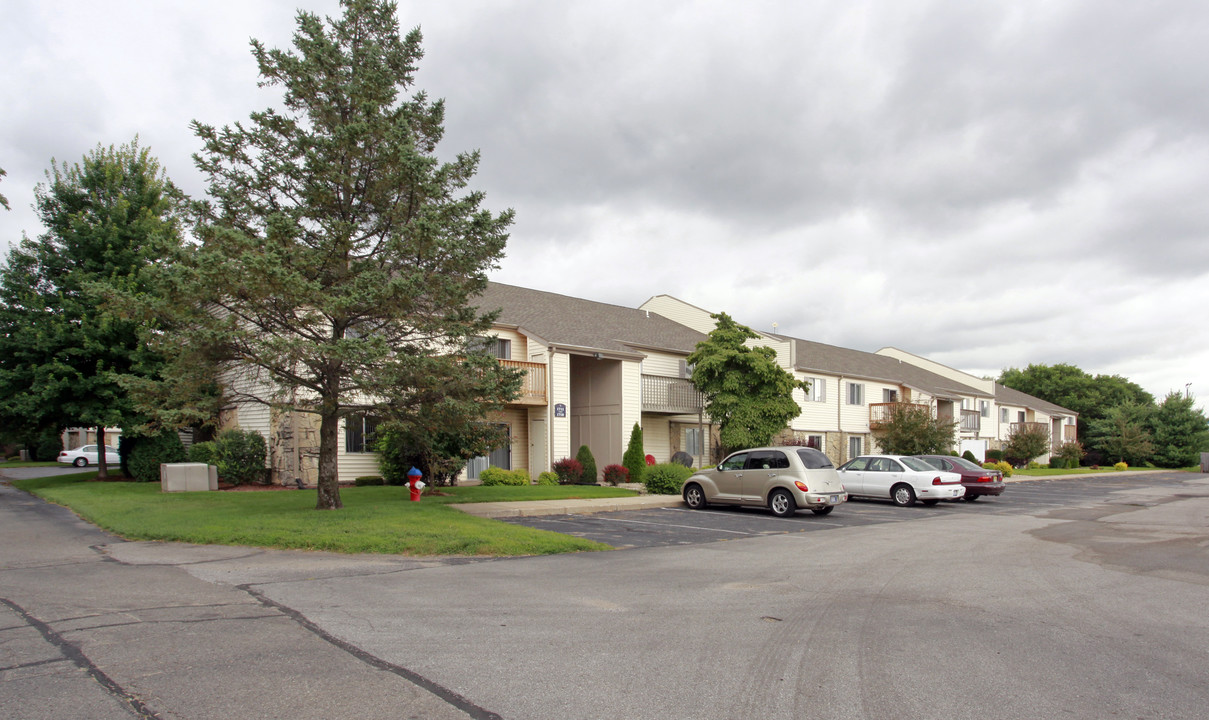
[102, 465]
[329, 477]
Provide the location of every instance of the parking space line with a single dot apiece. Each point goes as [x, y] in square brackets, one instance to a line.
[686, 527]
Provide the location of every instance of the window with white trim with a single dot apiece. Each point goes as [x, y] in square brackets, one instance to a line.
[856, 393]
[1003, 415]
[692, 441]
[818, 389]
[854, 447]
[360, 432]
[815, 441]
[889, 395]
[984, 408]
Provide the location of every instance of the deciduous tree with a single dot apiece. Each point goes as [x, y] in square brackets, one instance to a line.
[912, 430]
[339, 258]
[62, 352]
[746, 392]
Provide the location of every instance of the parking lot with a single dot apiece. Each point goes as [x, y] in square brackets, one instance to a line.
[681, 526]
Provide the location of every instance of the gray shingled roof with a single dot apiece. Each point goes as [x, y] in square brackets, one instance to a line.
[562, 320]
[1009, 396]
[833, 360]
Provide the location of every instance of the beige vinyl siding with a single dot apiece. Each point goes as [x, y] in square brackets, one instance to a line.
[681, 312]
[656, 437]
[631, 400]
[817, 415]
[517, 342]
[249, 415]
[560, 427]
[518, 422]
[662, 364]
[987, 386]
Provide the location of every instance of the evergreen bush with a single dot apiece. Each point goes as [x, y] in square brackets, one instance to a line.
[365, 480]
[240, 456]
[665, 478]
[148, 453]
[634, 459]
[202, 452]
[969, 456]
[584, 456]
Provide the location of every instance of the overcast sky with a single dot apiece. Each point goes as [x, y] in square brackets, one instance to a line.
[988, 184]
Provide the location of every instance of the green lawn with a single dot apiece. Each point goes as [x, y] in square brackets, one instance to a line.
[1042, 472]
[373, 520]
[30, 463]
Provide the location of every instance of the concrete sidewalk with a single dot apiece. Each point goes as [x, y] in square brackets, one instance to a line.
[568, 507]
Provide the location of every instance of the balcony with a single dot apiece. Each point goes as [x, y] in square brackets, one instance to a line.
[533, 385]
[670, 395]
[880, 414]
[1028, 427]
[971, 421]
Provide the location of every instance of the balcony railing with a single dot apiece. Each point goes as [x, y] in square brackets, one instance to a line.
[971, 421]
[670, 395]
[1031, 426]
[881, 413]
[533, 385]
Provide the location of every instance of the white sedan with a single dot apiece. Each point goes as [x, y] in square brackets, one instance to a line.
[900, 478]
[87, 455]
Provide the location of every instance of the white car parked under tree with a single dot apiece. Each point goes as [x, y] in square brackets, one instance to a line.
[87, 455]
[900, 478]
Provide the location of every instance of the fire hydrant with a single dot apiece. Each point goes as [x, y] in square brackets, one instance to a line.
[413, 476]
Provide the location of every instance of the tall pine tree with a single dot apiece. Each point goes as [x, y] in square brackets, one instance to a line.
[339, 258]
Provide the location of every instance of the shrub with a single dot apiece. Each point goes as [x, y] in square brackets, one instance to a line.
[569, 470]
[203, 452]
[616, 474]
[1095, 467]
[634, 459]
[240, 455]
[500, 476]
[1033, 464]
[148, 453]
[584, 456]
[547, 478]
[1057, 464]
[368, 480]
[1005, 467]
[969, 456]
[994, 455]
[48, 445]
[1071, 452]
[1121, 466]
[665, 478]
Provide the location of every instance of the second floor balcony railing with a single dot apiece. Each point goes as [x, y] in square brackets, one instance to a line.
[971, 421]
[533, 385]
[1029, 426]
[670, 395]
[882, 413]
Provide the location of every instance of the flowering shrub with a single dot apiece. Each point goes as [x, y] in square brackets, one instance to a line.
[569, 471]
[1121, 466]
[616, 474]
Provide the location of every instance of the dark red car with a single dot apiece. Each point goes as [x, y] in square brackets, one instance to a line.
[977, 480]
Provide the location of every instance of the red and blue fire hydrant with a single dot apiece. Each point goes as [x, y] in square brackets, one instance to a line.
[413, 477]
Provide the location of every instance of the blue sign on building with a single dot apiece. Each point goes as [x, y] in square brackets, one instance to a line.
[560, 410]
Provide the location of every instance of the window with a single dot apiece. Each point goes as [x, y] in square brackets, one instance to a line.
[984, 408]
[888, 395]
[813, 459]
[1020, 416]
[854, 446]
[814, 441]
[856, 394]
[500, 457]
[496, 347]
[818, 390]
[686, 369]
[359, 433]
[767, 460]
[734, 462]
[692, 441]
[1003, 415]
[965, 403]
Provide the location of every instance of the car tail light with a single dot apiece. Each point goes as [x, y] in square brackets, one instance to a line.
[984, 478]
[937, 481]
[801, 485]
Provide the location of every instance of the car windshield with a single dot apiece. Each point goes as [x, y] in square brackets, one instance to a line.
[813, 459]
[917, 464]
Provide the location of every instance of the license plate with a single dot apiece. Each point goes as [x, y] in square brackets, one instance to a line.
[835, 499]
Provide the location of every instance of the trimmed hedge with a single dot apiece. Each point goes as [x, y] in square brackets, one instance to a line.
[665, 478]
[148, 453]
[365, 480]
[547, 478]
[500, 476]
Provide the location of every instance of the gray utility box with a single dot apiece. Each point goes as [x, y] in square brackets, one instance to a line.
[188, 477]
[1205, 462]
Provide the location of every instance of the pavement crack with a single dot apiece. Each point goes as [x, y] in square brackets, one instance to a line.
[73, 653]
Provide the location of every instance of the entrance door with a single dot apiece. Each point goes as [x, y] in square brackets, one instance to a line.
[539, 456]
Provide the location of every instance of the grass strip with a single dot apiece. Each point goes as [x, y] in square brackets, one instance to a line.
[373, 520]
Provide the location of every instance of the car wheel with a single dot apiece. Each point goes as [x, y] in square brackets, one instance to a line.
[694, 496]
[825, 510]
[971, 498]
[80, 462]
[902, 495]
[781, 503]
[929, 503]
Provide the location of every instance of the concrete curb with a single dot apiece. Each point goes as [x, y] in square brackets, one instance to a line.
[568, 507]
